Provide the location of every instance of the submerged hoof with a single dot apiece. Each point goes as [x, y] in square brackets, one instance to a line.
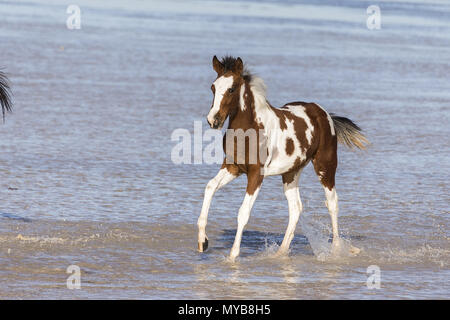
[336, 246]
[202, 246]
[342, 248]
[281, 253]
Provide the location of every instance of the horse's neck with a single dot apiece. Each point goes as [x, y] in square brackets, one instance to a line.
[253, 111]
[242, 119]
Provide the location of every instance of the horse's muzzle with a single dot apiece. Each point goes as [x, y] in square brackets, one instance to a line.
[217, 124]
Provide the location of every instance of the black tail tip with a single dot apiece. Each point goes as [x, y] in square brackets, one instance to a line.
[349, 133]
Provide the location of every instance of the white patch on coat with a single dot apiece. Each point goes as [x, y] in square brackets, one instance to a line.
[321, 174]
[241, 97]
[264, 114]
[266, 117]
[221, 85]
[299, 111]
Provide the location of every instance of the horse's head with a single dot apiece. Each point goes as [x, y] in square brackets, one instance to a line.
[226, 90]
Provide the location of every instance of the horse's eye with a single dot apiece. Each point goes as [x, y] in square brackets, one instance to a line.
[231, 90]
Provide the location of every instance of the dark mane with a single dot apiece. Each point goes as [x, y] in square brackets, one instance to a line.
[228, 63]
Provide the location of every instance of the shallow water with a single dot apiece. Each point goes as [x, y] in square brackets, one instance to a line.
[86, 176]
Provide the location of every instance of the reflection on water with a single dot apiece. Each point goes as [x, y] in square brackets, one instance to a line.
[85, 170]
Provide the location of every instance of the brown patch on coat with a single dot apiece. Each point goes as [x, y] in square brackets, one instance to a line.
[231, 168]
[254, 179]
[325, 158]
[289, 146]
[281, 114]
[299, 124]
[288, 177]
[300, 128]
[245, 120]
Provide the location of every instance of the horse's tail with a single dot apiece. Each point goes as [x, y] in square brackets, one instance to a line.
[349, 133]
[5, 94]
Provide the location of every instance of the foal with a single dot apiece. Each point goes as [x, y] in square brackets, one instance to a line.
[288, 138]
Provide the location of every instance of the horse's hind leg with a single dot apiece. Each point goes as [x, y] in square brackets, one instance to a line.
[325, 164]
[291, 191]
[226, 174]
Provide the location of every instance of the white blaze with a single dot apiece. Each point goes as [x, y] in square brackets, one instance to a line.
[221, 85]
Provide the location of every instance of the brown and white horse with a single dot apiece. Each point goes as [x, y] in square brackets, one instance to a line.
[5, 94]
[293, 135]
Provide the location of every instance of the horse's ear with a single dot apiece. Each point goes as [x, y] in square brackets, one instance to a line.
[217, 65]
[239, 66]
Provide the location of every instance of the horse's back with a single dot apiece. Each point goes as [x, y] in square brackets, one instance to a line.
[321, 119]
[294, 137]
[313, 110]
[312, 122]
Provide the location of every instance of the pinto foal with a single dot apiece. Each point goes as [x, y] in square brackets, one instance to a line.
[292, 136]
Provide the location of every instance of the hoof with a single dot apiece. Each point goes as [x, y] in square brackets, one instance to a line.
[202, 246]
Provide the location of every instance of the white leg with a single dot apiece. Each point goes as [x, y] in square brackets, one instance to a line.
[332, 205]
[221, 179]
[292, 194]
[243, 216]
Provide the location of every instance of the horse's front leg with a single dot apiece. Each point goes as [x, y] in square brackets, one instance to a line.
[253, 186]
[226, 174]
[291, 191]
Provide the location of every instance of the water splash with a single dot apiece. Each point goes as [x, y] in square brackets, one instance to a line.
[318, 235]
